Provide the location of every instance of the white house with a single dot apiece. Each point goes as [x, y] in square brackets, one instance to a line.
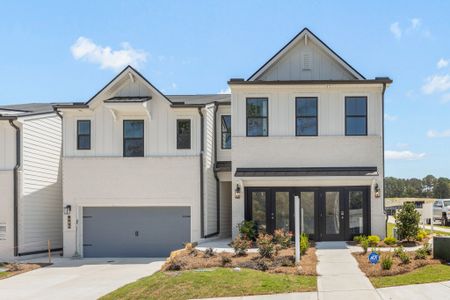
[144, 172]
[30, 180]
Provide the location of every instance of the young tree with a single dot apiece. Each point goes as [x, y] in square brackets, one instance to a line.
[407, 222]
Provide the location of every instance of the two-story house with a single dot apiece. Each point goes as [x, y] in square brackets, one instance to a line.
[144, 172]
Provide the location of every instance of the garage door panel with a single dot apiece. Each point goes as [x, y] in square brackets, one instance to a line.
[134, 231]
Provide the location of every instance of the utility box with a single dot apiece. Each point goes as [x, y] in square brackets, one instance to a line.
[441, 247]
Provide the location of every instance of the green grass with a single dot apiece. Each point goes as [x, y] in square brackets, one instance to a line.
[220, 282]
[390, 230]
[427, 274]
[3, 274]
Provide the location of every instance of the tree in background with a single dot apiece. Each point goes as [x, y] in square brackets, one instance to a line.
[442, 188]
[428, 187]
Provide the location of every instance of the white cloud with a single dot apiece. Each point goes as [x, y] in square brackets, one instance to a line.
[85, 49]
[403, 155]
[436, 83]
[438, 134]
[396, 30]
[390, 118]
[225, 91]
[415, 23]
[442, 63]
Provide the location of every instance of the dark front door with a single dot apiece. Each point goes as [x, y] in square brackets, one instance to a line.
[331, 215]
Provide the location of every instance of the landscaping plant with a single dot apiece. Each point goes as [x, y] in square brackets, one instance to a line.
[266, 246]
[421, 235]
[304, 243]
[386, 262]
[247, 229]
[404, 258]
[359, 238]
[407, 222]
[399, 251]
[240, 245]
[365, 245]
[373, 240]
[282, 238]
[390, 241]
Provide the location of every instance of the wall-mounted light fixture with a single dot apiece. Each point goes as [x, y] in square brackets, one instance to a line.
[237, 192]
[377, 190]
[67, 209]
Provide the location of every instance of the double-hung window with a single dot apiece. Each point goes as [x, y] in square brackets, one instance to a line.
[257, 117]
[83, 134]
[306, 121]
[355, 116]
[133, 138]
[226, 131]
[184, 134]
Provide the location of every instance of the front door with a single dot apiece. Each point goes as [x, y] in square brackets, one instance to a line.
[331, 215]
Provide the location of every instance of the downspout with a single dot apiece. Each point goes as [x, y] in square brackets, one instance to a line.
[16, 189]
[216, 108]
[384, 185]
[202, 204]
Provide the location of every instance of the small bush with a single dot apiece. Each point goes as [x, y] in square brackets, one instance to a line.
[262, 265]
[407, 222]
[399, 251]
[423, 251]
[266, 247]
[390, 241]
[174, 265]
[304, 243]
[359, 238]
[225, 260]
[421, 235]
[288, 261]
[373, 240]
[209, 252]
[404, 258]
[240, 245]
[386, 262]
[247, 229]
[365, 245]
[282, 238]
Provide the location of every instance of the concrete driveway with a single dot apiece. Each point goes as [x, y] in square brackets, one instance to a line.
[78, 278]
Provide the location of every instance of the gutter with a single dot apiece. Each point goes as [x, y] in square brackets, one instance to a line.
[16, 189]
[202, 200]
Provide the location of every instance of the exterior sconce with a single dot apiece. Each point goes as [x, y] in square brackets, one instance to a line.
[237, 192]
[377, 190]
[67, 209]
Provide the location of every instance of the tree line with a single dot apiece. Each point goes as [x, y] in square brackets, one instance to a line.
[427, 187]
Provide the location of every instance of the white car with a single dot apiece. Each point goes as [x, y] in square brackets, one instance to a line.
[441, 211]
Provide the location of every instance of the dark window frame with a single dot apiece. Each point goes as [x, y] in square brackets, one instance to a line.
[125, 138]
[84, 134]
[307, 117]
[264, 117]
[222, 132]
[347, 116]
[190, 134]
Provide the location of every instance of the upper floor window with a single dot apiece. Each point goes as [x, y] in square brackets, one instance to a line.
[184, 134]
[257, 117]
[306, 116]
[355, 115]
[83, 134]
[133, 138]
[226, 132]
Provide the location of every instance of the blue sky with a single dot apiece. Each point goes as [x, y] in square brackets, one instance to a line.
[58, 51]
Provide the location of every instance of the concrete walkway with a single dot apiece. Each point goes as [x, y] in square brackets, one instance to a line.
[77, 278]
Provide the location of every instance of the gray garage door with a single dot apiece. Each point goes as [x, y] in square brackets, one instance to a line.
[134, 231]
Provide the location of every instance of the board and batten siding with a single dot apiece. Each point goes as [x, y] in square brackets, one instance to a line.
[40, 206]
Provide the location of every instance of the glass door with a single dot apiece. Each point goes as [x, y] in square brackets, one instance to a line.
[332, 215]
[280, 210]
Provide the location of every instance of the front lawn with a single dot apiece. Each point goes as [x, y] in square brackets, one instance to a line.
[426, 274]
[217, 282]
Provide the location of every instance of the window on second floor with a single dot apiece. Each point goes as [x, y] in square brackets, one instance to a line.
[83, 134]
[306, 116]
[184, 134]
[226, 132]
[133, 138]
[355, 116]
[257, 117]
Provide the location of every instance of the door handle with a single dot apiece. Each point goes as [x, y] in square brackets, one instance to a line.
[342, 214]
[136, 233]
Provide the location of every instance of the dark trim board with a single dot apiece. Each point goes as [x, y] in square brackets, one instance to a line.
[319, 222]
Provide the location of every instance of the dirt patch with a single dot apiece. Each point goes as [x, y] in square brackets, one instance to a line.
[15, 269]
[397, 267]
[283, 262]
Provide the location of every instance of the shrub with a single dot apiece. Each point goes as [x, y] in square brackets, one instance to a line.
[421, 235]
[359, 238]
[174, 264]
[423, 251]
[390, 241]
[399, 251]
[373, 240]
[266, 247]
[407, 222]
[304, 243]
[240, 245]
[209, 252]
[282, 238]
[225, 260]
[404, 257]
[386, 262]
[262, 265]
[365, 245]
[247, 229]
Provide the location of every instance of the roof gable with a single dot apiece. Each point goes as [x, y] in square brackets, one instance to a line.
[306, 57]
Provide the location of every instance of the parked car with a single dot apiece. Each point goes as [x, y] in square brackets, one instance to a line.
[441, 211]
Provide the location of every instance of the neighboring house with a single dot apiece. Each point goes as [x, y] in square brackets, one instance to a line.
[30, 180]
[144, 172]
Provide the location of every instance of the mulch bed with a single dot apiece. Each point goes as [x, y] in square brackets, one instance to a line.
[402, 243]
[15, 269]
[283, 262]
[397, 267]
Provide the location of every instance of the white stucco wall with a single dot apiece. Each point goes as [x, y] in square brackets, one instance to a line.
[139, 181]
